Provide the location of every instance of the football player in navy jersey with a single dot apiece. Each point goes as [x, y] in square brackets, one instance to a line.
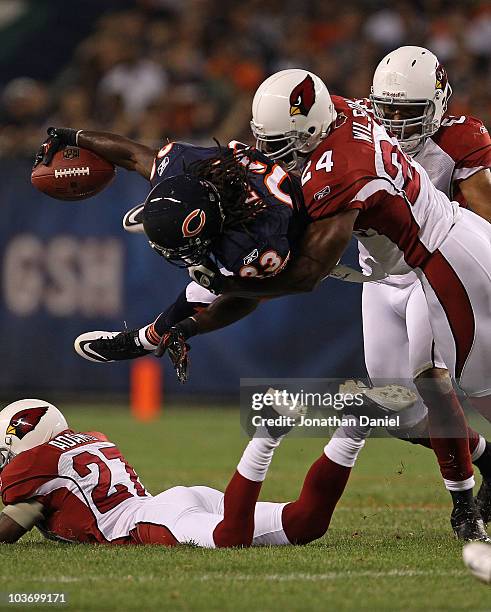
[232, 203]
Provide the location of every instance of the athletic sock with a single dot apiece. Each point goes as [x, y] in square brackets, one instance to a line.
[149, 337]
[308, 518]
[242, 492]
[257, 457]
[344, 450]
[449, 437]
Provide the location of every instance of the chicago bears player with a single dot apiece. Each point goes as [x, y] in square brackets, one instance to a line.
[232, 202]
[357, 180]
[78, 487]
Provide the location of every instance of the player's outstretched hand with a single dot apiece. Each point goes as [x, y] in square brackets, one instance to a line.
[58, 138]
[207, 275]
[174, 343]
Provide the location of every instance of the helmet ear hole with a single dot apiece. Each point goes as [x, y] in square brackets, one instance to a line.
[311, 130]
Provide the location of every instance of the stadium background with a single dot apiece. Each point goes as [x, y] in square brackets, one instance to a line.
[156, 70]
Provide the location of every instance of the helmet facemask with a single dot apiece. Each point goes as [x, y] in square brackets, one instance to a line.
[284, 147]
[412, 132]
[6, 456]
[191, 254]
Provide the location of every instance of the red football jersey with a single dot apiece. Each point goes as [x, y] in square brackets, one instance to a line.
[457, 150]
[460, 148]
[402, 217]
[85, 485]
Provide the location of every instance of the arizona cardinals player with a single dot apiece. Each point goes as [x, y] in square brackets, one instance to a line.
[357, 180]
[409, 96]
[78, 487]
[232, 202]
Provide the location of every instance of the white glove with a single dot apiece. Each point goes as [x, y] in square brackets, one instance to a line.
[207, 275]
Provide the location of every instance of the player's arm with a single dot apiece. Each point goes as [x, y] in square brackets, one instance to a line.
[196, 311]
[17, 519]
[322, 245]
[10, 531]
[118, 150]
[476, 191]
[224, 311]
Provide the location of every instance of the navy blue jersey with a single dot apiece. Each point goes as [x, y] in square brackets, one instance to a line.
[262, 246]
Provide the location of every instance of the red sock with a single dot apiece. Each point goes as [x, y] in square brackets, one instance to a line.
[473, 439]
[426, 441]
[449, 434]
[237, 526]
[483, 405]
[308, 518]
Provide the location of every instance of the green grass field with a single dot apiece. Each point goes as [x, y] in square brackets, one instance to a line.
[389, 546]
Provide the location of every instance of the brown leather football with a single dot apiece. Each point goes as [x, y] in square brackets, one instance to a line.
[73, 174]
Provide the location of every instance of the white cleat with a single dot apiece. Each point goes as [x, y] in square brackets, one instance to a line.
[279, 414]
[133, 220]
[284, 407]
[477, 559]
[392, 398]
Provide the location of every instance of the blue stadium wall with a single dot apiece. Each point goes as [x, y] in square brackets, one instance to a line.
[68, 267]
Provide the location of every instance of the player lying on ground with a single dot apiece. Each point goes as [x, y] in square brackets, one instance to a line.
[357, 181]
[78, 487]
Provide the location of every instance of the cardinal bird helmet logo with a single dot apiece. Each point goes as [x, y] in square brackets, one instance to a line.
[441, 77]
[302, 97]
[24, 421]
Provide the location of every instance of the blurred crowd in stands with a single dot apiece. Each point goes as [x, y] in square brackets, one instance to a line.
[187, 70]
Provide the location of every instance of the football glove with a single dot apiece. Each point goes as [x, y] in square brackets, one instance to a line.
[58, 138]
[207, 275]
[350, 275]
[174, 343]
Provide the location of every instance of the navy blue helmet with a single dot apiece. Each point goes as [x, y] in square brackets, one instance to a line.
[181, 217]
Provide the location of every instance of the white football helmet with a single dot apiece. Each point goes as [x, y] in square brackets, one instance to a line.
[25, 424]
[411, 78]
[291, 111]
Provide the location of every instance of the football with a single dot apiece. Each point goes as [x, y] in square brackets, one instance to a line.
[73, 174]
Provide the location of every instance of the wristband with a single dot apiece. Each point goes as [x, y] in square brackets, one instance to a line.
[66, 136]
[188, 327]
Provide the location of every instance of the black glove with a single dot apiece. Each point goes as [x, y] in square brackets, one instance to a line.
[174, 342]
[58, 138]
[207, 275]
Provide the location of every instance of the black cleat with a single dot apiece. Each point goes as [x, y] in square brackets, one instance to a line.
[483, 501]
[467, 523]
[105, 346]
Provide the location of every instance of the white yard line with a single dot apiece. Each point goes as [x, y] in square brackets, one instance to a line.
[221, 576]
